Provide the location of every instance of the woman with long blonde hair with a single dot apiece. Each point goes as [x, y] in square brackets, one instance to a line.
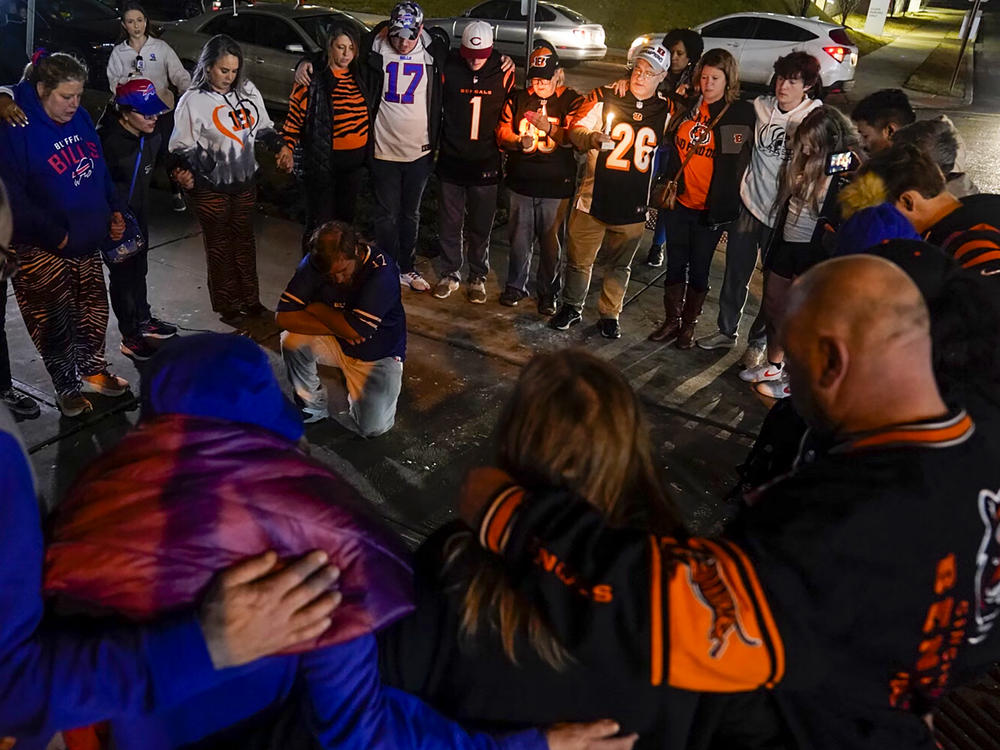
[475, 647]
[807, 209]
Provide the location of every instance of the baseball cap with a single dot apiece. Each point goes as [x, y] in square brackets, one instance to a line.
[477, 41]
[544, 62]
[657, 56]
[140, 94]
[405, 20]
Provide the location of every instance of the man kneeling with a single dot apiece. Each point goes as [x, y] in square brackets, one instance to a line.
[343, 308]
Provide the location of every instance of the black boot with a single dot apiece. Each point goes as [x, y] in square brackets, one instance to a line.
[673, 303]
[692, 310]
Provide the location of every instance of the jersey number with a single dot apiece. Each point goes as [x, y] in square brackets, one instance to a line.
[540, 141]
[645, 145]
[477, 107]
[414, 70]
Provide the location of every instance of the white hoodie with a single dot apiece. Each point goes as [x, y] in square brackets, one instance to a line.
[215, 134]
[772, 135]
[159, 64]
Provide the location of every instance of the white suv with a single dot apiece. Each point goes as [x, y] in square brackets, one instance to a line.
[756, 40]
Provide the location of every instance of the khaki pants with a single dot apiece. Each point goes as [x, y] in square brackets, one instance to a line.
[372, 387]
[586, 235]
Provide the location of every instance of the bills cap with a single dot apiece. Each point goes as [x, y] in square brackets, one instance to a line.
[405, 20]
[140, 94]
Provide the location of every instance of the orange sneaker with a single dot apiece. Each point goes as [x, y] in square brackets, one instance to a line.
[105, 383]
[74, 405]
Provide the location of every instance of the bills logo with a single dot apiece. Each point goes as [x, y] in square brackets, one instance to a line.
[83, 170]
[148, 92]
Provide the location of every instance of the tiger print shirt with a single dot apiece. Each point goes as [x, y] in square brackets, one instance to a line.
[350, 114]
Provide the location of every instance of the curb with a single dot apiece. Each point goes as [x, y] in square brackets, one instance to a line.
[929, 86]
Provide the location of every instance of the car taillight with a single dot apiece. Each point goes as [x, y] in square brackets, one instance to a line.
[839, 36]
[580, 32]
[837, 53]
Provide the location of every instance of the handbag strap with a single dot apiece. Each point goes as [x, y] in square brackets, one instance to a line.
[690, 153]
[135, 172]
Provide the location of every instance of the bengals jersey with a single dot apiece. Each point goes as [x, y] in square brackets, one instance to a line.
[615, 187]
[473, 100]
[970, 234]
[547, 169]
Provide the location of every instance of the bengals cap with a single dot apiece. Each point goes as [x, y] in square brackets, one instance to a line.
[477, 41]
[405, 20]
[140, 94]
[544, 63]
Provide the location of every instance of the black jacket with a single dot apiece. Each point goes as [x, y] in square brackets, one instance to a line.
[970, 234]
[858, 588]
[372, 75]
[473, 682]
[733, 135]
[121, 149]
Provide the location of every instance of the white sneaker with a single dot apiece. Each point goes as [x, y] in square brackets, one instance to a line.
[446, 286]
[414, 280]
[774, 388]
[717, 340]
[311, 416]
[477, 291]
[755, 354]
[762, 373]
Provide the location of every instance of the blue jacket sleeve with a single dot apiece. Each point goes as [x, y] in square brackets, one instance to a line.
[352, 710]
[56, 675]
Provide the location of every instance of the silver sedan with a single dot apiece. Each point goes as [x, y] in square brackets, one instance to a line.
[572, 36]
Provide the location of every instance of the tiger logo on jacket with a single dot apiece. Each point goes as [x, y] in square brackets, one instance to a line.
[709, 584]
[987, 567]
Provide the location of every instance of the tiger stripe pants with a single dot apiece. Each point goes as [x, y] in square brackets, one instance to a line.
[230, 250]
[64, 304]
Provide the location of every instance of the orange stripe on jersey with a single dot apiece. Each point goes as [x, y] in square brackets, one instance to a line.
[968, 247]
[980, 259]
[957, 430]
[495, 530]
[655, 613]
[718, 642]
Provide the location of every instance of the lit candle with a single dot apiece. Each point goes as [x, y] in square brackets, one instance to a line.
[608, 145]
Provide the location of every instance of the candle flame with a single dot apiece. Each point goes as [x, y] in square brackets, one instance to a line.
[607, 122]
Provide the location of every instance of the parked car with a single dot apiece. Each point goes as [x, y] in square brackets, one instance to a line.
[165, 10]
[571, 35]
[756, 40]
[274, 38]
[87, 29]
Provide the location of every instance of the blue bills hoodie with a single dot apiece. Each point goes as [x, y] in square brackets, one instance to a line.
[57, 179]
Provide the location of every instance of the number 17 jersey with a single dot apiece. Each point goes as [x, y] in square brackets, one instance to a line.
[615, 187]
[401, 127]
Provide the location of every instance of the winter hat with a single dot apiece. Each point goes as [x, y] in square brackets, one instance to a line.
[140, 94]
[477, 41]
[544, 62]
[405, 20]
[871, 226]
[657, 56]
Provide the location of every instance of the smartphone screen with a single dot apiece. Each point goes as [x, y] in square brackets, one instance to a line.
[841, 161]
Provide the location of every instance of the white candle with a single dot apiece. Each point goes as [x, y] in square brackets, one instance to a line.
[608, 145]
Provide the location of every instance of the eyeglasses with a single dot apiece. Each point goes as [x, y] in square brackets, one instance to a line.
[636, 73]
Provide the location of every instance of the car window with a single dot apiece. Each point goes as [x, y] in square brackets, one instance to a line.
[771, 29]
[275, 33]
[494, 9]
[729, 28]
[241, 27]
[571, 14]
[74, 11]
[542, 14]
[318, 28]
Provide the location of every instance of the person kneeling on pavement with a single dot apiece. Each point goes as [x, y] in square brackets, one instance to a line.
[343, 308]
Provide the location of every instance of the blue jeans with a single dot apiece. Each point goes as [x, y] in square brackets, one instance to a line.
[692, 245]
[399, 186]
[541, 220]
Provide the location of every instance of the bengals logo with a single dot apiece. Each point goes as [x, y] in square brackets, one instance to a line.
[987, 566]
[710, 587]
[737, 138]
[700, 135]
[541, 57]
[637, 116]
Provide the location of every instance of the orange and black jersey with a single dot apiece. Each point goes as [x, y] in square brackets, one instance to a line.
[349, 113]
[859, 586]
[548, 168]
[971, 234]
[473, 100]
[615, 187]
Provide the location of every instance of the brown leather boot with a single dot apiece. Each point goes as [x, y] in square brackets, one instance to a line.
[692, 309]
[673, 303]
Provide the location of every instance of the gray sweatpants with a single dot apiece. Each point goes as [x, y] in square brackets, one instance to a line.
[531, 219]
[465, 221]
[372, 387]
[747, 237]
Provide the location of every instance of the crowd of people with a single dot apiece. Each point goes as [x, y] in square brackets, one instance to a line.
[855, 586]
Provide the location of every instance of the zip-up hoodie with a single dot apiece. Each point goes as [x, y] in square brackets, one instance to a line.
[121, 149]
[772, 137]
[57, 179]
[214, 136]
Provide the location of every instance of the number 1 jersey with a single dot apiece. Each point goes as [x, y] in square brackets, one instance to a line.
[615, 187]
[473, 100]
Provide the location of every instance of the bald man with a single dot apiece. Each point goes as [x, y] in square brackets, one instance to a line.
[858, 587]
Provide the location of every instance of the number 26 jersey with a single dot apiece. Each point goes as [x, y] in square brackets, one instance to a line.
[615, 187]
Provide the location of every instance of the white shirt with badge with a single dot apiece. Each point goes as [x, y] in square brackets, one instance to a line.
[159, 64]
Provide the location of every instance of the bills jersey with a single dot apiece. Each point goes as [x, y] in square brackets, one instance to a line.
[615, 187]
[548, 168]
[473, 100]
